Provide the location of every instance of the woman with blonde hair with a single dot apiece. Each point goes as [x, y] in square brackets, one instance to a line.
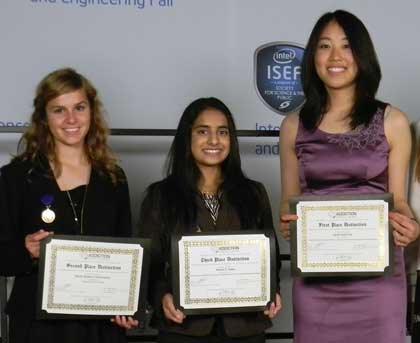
[65, 181]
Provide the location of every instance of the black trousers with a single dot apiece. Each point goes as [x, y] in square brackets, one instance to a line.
[65, 331]
[166, 337]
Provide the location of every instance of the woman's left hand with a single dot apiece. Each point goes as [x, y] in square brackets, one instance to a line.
[274, 308]
[125, 322]
[406, 230]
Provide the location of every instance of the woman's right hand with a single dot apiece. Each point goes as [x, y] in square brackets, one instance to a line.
[170, 311]
[32, 242]
[285, 220]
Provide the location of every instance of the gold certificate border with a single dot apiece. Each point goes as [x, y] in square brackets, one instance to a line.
[329, 265]
[188, 245]
[131, 306]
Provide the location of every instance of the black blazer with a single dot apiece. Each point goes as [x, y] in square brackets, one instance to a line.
[151, 226]
[22, 184]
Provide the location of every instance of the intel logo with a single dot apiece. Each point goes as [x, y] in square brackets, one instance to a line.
[277, 69]
[284, 56]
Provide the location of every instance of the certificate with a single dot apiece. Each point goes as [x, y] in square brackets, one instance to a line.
[89, 277]
[216, 273]
[341, 236]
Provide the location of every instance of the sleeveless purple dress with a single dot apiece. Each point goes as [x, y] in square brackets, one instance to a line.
[370, 310]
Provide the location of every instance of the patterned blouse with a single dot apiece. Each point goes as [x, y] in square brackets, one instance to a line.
[212, 204]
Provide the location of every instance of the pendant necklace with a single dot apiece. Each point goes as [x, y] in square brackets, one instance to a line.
[73, 207]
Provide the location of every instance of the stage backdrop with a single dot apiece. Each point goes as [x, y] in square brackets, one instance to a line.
[150, 58]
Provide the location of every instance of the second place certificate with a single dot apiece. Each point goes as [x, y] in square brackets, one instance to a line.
[90, 276]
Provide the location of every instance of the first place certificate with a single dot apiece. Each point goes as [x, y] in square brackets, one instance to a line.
[216, 273]
[90, 276]
[341, 236]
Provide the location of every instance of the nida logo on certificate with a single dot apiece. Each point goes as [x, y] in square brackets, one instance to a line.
[277, 67]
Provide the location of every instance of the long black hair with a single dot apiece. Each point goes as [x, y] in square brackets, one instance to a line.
[175, 197]
[367, 80]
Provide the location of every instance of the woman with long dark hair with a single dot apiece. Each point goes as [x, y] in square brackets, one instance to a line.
[205, 190]
[65, 181]
[346, 142]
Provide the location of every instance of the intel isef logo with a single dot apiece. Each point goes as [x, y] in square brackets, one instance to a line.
[277, 68]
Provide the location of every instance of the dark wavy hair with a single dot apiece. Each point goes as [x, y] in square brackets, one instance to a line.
[368, 77]
[176, 194]
[38, 141]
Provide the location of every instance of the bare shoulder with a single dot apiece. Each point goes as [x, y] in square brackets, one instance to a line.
[290, 125]
[395, 118]
[397, 124]
[290, 121]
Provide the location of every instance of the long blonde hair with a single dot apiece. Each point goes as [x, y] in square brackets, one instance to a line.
[38, 140]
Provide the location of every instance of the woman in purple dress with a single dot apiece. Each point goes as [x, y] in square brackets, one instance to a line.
[345, 141]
